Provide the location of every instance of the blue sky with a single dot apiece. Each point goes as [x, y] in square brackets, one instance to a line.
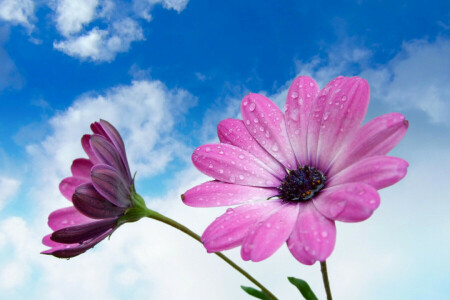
[165, 72]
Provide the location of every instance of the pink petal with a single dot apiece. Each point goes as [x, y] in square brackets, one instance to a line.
[317, 115]
[268, 234]
[84, 232]
[300, 97]
[48, 242]
[265, 122]
[344, 112]
[351, 202]
[85, 142]
[65, 217]
[108, 154]
[216, 193]
[108, 183]
[69, 184]
[71, 250]
[229, 230]
[377, 137]
[81, 167]
[313, 236]
[231, 164]
[117, 141]
[378, 171]
[234, 132]
[89, 202]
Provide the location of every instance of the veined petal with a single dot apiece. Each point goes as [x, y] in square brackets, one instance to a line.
[265, 122]
[90, 203]
[268, 234]
[216, 193]
[229, 230]
[67, 216]
[378, 171]
[377, 137]
[108, 154]
[317, 115]
[71, 250]
[300, 98]
[234, 132]
[313, 236]
[343, 113]
[351, 202]
[81, 167]
[108, 182]
[85, 142]
[82, 233]
[231, 164]
[68, 185]
[117, 141]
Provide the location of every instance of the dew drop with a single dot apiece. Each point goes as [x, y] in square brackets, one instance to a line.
[324, 234]
[207, 149]
[232, 178]
[247, 122]
[241, 156]
[252, 106]
[241, 177]
[294, 95]
[255, 120]
[210, 166]
[275, 147]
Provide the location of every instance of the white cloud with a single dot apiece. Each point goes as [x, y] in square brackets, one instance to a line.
[417, 78]
[102, 45]
[144, 7]
[17, 12]
[8, 189]
[71, 16]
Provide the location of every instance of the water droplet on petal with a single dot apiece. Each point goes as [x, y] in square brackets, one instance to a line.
[294, 95]
[252, 106]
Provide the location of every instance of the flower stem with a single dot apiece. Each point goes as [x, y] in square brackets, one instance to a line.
[326, 282]
[157, 216]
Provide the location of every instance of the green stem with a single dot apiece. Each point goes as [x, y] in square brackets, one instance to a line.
[326, 282]
[175, 224]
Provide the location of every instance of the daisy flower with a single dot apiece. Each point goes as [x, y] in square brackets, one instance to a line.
[293, 175]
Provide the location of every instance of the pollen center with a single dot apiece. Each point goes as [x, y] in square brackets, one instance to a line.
[302, 184]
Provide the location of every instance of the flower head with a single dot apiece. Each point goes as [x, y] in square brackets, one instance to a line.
[101, 190]
[297, 173]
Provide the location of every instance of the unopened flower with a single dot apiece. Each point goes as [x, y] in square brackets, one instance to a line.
[299, 172]
[102, 192]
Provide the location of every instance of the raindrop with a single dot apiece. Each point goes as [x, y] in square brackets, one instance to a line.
[210, 166]
[275, 147]
[247, 122]
[252, 106]
[255, 120]
[207, 149]
[232, 178]
[294, 95]
[241, 177]
[344, 98]
[241, 156]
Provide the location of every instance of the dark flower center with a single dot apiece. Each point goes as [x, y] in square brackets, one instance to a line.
[302, 184]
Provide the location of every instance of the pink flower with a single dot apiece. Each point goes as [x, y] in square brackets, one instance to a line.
[101, 190]
[299, 172]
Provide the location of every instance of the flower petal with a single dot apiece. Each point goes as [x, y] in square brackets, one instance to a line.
[84, 232]
[229, 230]
[233, 165]
[300, 97]
[69, 184]
[268, 234]
[351, 202]
[344, 112]
[265, 122]
[234, 132]
[67, 216]
[72, 250]
[81, 167]
[90, 203]
[116, 139]
[378, 171]
[85, 142]
[110, 185]
[108, 154]
[313, 236]
[316, 117]
[216, 193]
[377, 137]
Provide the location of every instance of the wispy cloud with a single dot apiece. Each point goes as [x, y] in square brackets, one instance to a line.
[18, 12]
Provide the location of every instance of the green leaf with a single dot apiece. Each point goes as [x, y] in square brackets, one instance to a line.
[303, 287]
[255, 293]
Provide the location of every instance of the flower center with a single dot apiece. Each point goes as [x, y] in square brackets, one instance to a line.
[302, 184]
